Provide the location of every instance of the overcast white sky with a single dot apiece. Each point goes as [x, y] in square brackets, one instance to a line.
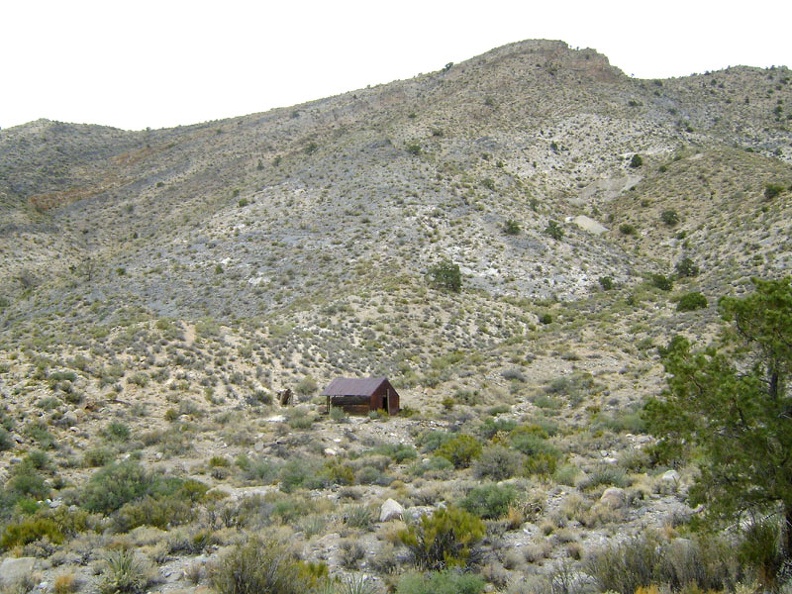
[143, 63]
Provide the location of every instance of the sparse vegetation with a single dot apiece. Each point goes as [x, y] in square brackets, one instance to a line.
[487, 247]
[554, 230]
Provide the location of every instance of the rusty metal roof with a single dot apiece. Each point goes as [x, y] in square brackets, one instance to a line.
[348, 386]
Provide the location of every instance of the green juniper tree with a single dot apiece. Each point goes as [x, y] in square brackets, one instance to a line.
[733, 403]
[446, 275]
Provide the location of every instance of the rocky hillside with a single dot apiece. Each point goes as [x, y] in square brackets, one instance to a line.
[187, 274]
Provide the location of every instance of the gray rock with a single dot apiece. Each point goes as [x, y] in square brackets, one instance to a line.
[391, 510]
[614, 497]
[14, 570]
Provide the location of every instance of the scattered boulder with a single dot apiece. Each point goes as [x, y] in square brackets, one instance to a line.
[590, 225]
[391, 510]
[670, 476]
[15, 570]
[614, 497]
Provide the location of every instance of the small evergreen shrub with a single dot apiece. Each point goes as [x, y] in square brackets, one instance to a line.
[687, 268]
[398, 452]
[446, 275]
[112, 486]
[662, 282]
[489, 502]
[773, 190]
[606, 282]
[554, 230]
[460, 450]
[636, 161]
[430, 441]
[27, 482]
[6, 443]
[670, 217]
[692, 301]
[443, 540]
[511, 227]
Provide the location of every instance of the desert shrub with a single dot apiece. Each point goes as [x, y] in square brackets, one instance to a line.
[489, 502]
[444, 539]
[491, 427]
[545, 318]
[191, 542]
[359, 516]
[511, 227]
[436, 465]
[338, 473]
[305, 473]
[461, 450]
[692, 301]
[26, 481]
[566, 474]
[259, 470]
[446, 275]
[351, 554]
[497, 463]
[38, 432]
[159, 513]
[97, 457]
[625, 567]
[670, 217]
[606, 282]
[30, 529]
[372, 475]
[260, 567]
[116, 431]
[636, 161]
[306, 386]
[628, 229]
[531, 440]
[140, 379]
[687, 268]
[6, 443]
[662, 282]
[541, 464]
[430, 441]
[554, 230]
[627, 420]
[761, 550]
[113, 485]
[576, 387]
[298, 418]
[125, 572]
[700, 564]
[65, 583]
[440, 582]
[398, 452]
[772, 190]
[605, 475]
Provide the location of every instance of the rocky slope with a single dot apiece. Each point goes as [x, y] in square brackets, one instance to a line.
[177, 278]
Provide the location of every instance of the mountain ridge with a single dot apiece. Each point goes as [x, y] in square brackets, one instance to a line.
[159, 287]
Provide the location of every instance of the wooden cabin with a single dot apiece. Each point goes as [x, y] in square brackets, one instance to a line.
[361, 396]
